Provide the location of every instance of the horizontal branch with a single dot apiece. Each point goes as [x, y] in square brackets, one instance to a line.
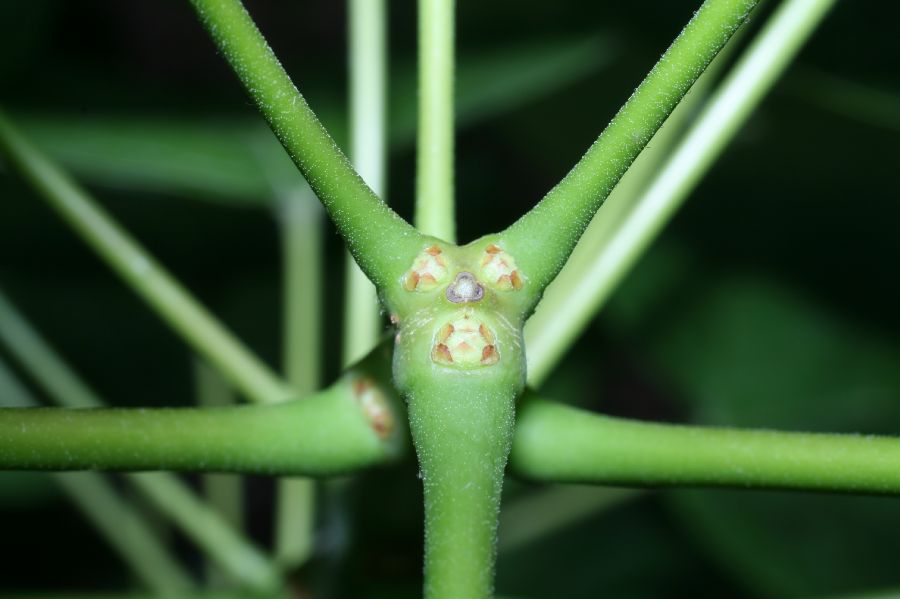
[382, 242]
[346, 427]
[559, 443]
[543, 239]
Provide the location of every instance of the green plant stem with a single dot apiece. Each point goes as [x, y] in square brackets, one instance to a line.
[558, 443]
[434, 160]
[119, 523]
[302, 255]
[224, 492]
[382, 242]
[137, 268]
[368, 123]
[542, 240]
[322, 435]
[462, 431]
[207, 528]
[730, 106]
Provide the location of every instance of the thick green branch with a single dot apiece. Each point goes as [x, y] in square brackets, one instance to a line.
[543, 239]
[382, 242]
[558, 443]
[434, 166]
[328, 433]
[137, 268]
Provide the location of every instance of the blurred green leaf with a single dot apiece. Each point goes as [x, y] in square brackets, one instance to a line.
[210, 161]
[867, 104]
[239, 162]
[794, 545]
[498, 81]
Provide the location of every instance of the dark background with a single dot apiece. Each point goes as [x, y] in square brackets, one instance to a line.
[771, 299]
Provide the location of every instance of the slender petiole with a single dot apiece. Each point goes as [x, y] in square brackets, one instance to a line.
[434, 158]
[368, 124]
[301, 229]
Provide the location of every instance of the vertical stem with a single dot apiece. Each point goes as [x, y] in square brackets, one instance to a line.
[462, 433]
[434, 182]
[224, 492]
[302, 256]
[368, 72]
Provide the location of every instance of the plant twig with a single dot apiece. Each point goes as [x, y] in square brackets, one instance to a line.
[543, 239]
[730, 106]
[382, 242]
[139, 270]
[434, 164]
[559, 443]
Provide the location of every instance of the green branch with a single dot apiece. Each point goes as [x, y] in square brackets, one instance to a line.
[382, 242]
[543, 239]
[325, 434]
[137, 268]
[434, 156]
[565, 311]
[558, 443]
